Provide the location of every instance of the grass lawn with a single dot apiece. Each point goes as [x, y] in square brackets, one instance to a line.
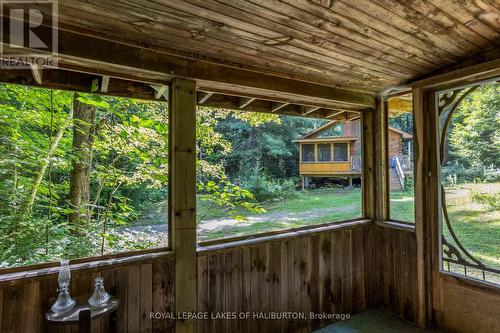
[402, 206]
[303, 208]
[476, 225]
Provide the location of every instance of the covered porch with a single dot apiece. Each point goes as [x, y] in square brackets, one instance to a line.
[330, 60]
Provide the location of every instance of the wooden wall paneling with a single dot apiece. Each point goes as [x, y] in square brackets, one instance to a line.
[182, 198]
[151, 280]
[120, 283]
[146, 297]
[203, 292]
[313, 284]
[221, 287]
[229, 289]
[358, 271]
[347, 277]
[324, 272]
[133, 298]
[275, 286]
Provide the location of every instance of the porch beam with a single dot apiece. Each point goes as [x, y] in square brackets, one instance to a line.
[277, 106]
[182, 197]
[245, 101]
[37, 72]
[203, 96]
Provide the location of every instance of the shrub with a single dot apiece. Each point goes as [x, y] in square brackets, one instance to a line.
[490, 199]
[409, 183]
[265, 188]
[457, 173]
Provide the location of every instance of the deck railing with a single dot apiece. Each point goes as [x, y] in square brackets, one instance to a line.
[355, 163]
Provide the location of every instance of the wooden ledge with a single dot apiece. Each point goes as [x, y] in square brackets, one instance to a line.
[405, 226]
[471, 283]
[95, 264]
[280, 235]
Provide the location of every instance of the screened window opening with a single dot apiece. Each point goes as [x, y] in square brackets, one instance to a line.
[400, 163]
[341, 152]
[470, 182]
[259, 173]
[324, 152]
[83, 175]
[307, 153]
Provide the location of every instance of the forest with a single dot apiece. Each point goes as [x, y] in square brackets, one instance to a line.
[84, 174]
[74, 168]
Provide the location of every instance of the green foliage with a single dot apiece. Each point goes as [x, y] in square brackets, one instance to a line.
[490, 199]
[128, 173]
[409, 183]
[474, 137]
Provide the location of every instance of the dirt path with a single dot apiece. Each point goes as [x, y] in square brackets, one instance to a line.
[226, 223]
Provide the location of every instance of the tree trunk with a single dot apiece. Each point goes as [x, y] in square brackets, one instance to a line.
[79, 188]
[45, 162]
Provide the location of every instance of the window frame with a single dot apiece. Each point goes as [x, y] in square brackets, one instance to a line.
[302, 146]
[386, 171]
[444, 273]
[348, 152]
[329, 152]
[106, 259]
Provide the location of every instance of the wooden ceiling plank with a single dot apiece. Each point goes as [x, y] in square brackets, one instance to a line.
[434, 21]
[401, 28]
[253, 20]
[310, 32]
[369, 33]
[296, 44]
[456, 10]
[361, 82]
[349, 27]
[323, 30]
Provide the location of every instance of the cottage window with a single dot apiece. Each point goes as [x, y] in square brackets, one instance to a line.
[341, 152]
[308, 153]
[324, 152]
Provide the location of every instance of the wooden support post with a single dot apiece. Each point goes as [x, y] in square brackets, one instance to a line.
[426, 199]
[104, 84]
[368, 174]
[182, 197]
[381, 160]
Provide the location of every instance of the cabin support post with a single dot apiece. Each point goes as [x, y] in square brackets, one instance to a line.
[182, 197]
